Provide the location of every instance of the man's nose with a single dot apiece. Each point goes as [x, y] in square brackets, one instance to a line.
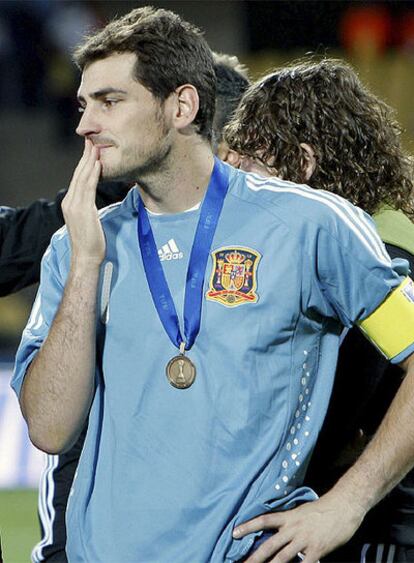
[88, 124]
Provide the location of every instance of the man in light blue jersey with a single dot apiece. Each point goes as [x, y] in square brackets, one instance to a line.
[57, 477]
[206, 376]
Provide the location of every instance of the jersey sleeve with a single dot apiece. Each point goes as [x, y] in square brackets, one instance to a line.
[44, 309]
[354, 275]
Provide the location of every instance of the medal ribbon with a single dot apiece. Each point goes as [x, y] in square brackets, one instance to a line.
[157, 283]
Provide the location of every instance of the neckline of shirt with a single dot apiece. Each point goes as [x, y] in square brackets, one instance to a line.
[161, 214]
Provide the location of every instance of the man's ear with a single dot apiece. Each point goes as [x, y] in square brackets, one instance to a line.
[186, 106]
[228, 155]
[309, 161]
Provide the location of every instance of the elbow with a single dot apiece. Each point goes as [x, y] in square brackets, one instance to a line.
[43, 433]
[46, 447]
[51, 440]
[50, 444]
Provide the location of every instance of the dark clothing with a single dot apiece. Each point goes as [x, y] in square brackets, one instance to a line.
[63, 475]
[24, 236]
[25, 233]
[371, 553]
[365, 385]
[390, 553]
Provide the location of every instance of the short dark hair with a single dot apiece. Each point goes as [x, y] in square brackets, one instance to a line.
[354, 134]
[170, 52]
[232, 82]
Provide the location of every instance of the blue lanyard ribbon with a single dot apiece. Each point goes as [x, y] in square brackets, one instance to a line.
[161, 295]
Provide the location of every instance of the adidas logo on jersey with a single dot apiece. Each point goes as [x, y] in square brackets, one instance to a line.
[170, 251]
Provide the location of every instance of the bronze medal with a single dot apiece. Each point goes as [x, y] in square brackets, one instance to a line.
[181, 372]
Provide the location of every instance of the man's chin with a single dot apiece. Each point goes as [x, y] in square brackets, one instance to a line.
[112, 175]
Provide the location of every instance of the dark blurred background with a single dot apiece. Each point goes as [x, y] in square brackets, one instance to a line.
[38, 111]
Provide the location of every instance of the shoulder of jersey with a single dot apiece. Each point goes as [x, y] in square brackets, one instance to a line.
[294, 201]
[300, 206]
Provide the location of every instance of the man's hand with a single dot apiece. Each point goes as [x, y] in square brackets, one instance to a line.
[314, 529]
[80, 212]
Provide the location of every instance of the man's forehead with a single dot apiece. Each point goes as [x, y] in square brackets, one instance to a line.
[115, 72]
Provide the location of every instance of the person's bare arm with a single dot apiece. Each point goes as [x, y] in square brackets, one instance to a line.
[59, 384]
[317, 528]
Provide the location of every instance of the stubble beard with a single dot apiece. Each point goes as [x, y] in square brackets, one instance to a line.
[142, 166]
[154, 163]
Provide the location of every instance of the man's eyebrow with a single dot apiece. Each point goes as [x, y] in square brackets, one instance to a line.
[101, 93]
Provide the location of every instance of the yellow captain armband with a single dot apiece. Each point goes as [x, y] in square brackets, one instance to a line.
[391, 326]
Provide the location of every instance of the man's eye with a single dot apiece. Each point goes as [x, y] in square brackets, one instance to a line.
[109, 103]
[81, 109]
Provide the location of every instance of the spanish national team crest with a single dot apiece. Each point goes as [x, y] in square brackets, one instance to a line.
[233, 280]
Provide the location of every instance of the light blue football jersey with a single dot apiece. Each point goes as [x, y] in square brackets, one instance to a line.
[167, 473]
